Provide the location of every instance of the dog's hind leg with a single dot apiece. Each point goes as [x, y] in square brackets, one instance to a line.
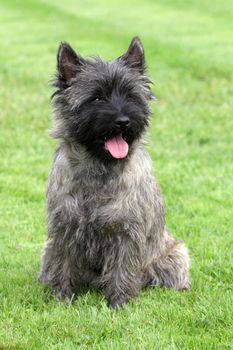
[170, 269]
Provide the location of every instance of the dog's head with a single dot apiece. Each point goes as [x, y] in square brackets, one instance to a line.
[102, 105]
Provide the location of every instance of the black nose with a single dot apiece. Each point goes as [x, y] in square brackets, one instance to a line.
[122, 122]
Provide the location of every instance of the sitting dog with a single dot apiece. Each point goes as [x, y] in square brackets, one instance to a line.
[106, 226]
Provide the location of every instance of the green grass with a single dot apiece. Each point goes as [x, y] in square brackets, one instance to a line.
[189, 53]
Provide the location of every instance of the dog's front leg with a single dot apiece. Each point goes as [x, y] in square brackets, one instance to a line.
[123, 273]
[56, 272]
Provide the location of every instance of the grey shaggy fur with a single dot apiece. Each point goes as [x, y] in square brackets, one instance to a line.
[106, 226]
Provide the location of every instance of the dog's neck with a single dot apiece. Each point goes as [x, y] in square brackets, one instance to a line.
[82, 162]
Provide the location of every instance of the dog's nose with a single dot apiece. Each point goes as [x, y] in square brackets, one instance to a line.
[122, 122]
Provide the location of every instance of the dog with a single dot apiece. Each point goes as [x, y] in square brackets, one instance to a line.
[106, 225]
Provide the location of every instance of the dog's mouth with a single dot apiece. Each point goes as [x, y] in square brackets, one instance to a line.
[117, 146]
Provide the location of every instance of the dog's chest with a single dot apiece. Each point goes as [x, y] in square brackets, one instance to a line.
[110, 205]
[101, 214]
[102, 210]
[98, 232]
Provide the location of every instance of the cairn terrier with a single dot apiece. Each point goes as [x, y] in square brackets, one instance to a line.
[106, 226]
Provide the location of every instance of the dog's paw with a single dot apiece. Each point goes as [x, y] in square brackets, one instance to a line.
[186, 287]
[65, 295]
[43, 278]
[117, 303]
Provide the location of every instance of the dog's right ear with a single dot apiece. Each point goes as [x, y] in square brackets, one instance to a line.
[68, 62]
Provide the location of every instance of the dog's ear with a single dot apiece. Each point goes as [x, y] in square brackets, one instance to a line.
[68, 62]
[134, 57]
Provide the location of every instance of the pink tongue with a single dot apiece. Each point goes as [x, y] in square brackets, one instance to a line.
[117, 146]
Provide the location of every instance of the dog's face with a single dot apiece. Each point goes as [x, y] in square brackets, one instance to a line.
[101, 105]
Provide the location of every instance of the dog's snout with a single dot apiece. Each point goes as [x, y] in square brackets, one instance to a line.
[122, 122]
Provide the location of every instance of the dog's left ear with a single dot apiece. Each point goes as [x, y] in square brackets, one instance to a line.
[134, 57]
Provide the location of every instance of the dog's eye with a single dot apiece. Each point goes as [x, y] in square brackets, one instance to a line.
[97, 99]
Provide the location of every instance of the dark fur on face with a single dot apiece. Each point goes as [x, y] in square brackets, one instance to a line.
[106, 225]
[101, 100]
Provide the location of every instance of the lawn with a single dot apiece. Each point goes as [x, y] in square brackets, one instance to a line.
[189, 51]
